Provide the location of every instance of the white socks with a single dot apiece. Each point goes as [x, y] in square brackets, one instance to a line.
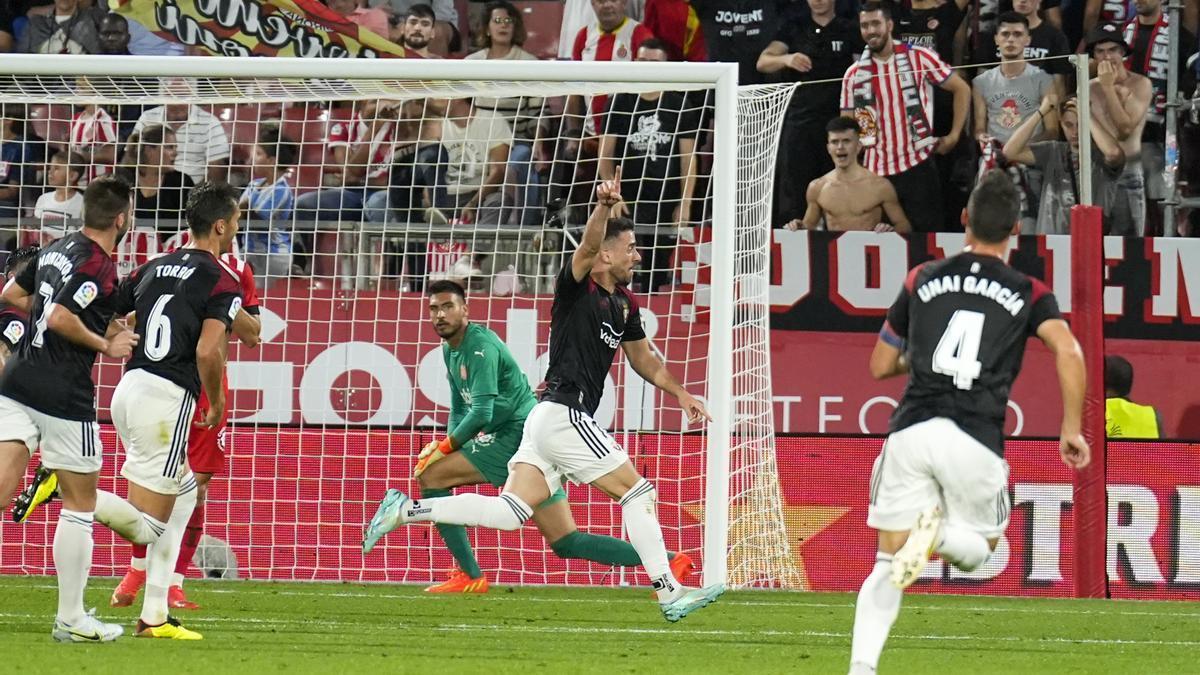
[874, 613]
[160, 558]
[506, 512]
[123, 518]
[72, 562]
[965, 549]
[645, 534]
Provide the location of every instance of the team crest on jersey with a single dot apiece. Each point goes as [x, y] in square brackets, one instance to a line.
[622, 53]
[14, 331]
[483, 440]
[86, 294]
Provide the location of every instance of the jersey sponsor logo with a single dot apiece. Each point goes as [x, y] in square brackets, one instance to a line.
[479, 352]
[85, 294]
[234, 308]
[465, 394]
[1010, 300]
[14, 331]
[611, 336]
[482, 441]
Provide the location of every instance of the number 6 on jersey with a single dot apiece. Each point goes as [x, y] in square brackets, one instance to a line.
[957, 351]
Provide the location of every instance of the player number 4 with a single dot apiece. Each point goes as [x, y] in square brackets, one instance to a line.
[158, 330]
[958, 350]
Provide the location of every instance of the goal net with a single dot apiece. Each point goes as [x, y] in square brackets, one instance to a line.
[365, 181]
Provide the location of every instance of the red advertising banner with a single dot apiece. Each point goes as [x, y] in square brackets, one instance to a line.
[294, 505]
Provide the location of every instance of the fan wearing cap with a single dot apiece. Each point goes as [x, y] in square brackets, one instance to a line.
[1120, 101]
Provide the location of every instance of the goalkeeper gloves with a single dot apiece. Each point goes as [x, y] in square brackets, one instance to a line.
[432, 452]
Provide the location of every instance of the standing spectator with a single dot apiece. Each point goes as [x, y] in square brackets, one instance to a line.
[1059, 162]
[420, 26]
[651, 137]
[1045, 42]
[501, 38]
[614, 37]
[446, 38]
[889, 91]
[20, 154]
[1147, 37]
[1120, 103]
[267, 204]
[203, 144]
[931, 25]
[160, 189]
[374, 20]
[1009, 93]
[737, 31]
[818, 48]
[1122, 417]
[63, 200]
[675, 23]
[69, 29]
[579, 14]
[357, 173]
[93, 135]
[1100, 12]
[470, 184]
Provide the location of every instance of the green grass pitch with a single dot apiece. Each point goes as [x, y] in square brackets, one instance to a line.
[339, 628]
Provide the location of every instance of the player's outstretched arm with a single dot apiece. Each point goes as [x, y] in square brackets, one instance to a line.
[210, 363]
[1072, 379]
[608, 195]
[652, 369]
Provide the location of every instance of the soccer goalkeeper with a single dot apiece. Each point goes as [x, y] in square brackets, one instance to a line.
[489, 401]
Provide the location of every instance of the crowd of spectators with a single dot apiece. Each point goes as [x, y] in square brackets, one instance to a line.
[941, 90]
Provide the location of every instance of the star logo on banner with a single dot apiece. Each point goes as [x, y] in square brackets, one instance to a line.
[802, 523]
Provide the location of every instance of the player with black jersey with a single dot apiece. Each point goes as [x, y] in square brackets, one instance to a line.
[959, 328]
[184, 303]
[12, 320]
[47, 395]
[592, 316]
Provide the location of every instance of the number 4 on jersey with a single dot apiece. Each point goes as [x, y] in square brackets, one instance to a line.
[958, 350]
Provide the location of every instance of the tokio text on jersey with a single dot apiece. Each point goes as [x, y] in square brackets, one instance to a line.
[965, 321]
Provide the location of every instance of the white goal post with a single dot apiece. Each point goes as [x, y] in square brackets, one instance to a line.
[744, 540]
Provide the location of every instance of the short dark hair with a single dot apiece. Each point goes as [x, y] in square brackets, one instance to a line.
[616, 226]
[18, 259]
[1012, 17]
[153, 136]
[655, 43]
[1118, 375]
[994, 207]
[421, 11]
[877, 6]
[209, 202]
[105, 198]
[519, 36]
[841, 123]
[74, 161]
[446, 286]
[284, 153]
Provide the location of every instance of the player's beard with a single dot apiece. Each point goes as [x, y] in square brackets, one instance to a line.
[122, 231]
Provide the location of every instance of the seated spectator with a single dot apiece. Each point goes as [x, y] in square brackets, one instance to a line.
[445, 38]
[20, 155]
[501, 37]
[114, 35]
[160, 190]
[419, 30]
[1122, 417]
[203, 143]
[69, 29]
[471, 168]
[64, 199]
[374, 20]
[94, 138]
[357, 172]
[651, 137]
[850, 197]
[577, 14]
[9, 12]
[267, 204]
[1059, 162]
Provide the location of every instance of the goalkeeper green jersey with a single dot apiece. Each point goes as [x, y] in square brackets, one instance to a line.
[488, 390]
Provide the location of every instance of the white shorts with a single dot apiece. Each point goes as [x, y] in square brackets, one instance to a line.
[566, 443]
[154, 416]
[937, 462]
[70, 445]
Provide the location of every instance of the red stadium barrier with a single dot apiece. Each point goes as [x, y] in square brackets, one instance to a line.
[295, 503]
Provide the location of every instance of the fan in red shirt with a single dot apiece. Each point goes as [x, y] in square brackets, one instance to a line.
[206, 456]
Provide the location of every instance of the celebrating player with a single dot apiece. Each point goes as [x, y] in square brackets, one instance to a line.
[593, 314]
[205, 456]
[940, 484]
[47, 395]
[490, 399]
[184, 302]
